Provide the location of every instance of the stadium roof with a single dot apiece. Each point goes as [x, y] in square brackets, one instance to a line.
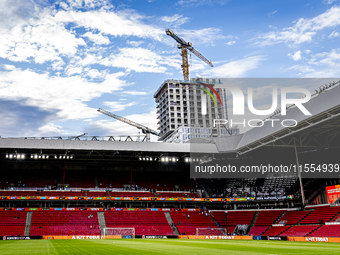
[318, 130]
[43, 144]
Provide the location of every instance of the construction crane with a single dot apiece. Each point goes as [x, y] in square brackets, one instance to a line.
[145, 130]
[185, 46]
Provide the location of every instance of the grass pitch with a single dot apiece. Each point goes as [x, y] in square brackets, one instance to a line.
[139, 246]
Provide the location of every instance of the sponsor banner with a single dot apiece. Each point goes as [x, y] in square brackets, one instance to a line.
[333, 193]
[154, 237]
[219, 200]
[19, 237]
[314, 239]
[275, 238]
[75, 237]
[216, 237]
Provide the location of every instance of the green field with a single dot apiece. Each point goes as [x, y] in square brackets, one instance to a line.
[141, 246]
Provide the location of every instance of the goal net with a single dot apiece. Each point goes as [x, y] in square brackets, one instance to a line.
[211, 232]
[123, 232]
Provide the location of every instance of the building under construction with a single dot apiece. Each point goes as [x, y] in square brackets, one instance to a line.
[186, 111]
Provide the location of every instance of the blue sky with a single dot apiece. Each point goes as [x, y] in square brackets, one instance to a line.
[62, 60]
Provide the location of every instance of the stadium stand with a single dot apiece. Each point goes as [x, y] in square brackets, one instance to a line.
[275, 231]
[258, 230]
[220, 218]
[175, 194]
[12, 223]
[145, 223]
[299, 230]
[239, 217]
[188, 222]
[20, 193]
[327, 231]
[268, 217]
[64, 223]
[131, 194]
[323, 213]
[293, 217]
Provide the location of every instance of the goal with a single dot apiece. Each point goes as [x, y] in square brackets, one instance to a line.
[123, 232]
[211, 232]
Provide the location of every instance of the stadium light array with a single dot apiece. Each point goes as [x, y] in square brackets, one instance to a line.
[15, 156]
[169, 159]
[187, 159]
[147, 158]
[41, 156]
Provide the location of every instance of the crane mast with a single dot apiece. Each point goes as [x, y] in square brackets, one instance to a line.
[147, 131]
[185, 46]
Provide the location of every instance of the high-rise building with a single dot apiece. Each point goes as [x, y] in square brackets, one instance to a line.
[187, 104]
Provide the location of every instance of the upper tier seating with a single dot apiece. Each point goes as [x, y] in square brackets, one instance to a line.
[174, 194]
[239, 217]
[268, 217]
[18, 193]
[293, 217]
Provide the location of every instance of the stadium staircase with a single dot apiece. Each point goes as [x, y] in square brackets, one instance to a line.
[28, 224]
[252, 222]
[310, 233]
[279, 218]
[171, 223]
[101, 220]
[218, 224]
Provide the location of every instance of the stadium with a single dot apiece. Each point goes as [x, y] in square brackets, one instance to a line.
[235, 165]
[97, 188]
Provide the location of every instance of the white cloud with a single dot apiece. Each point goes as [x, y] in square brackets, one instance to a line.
[88, 3]
[51, 129]
[193, 3]
[236, 68]
[329, 1]
[135, 93]
[334, 34]
[272, 13]
[303, 30]
[119, 106]
[136, 59]
[97, 38]
[40, 40]
[135, 43]
[9, 67]
[175, 20]
[67, 96]
[296, 56]
[110, 23]
[205, 36]
[231, 43]
[325, 64]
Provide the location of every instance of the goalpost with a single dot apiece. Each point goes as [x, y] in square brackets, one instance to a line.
[124, 232]
[211, 232]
